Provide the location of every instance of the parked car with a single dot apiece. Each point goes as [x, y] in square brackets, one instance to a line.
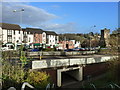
[87, 49]
[34, 50]
[81, 49]
[68, 50]
[7, 47]
[76, 49]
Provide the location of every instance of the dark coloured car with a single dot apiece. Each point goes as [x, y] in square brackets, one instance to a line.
[34, 50]
[81, 49]
[68, 50]
[87, 49]
[76, 49]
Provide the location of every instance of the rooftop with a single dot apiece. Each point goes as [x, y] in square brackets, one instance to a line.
[10, 26]
[50, 33]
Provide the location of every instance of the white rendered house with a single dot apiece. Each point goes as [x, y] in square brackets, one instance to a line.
[51, 38]
[11, 33]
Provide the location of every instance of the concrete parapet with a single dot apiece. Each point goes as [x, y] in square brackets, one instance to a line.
[69, 62]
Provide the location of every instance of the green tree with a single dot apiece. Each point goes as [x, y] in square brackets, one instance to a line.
[23, 58]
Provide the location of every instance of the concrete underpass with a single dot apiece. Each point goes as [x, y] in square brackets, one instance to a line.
[69, 75]
[68, 71]
[67, 79]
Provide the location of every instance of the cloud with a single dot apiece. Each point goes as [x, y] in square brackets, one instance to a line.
[61, 28]
[31, 16]
[34, 17]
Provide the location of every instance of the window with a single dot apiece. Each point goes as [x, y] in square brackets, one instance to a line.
[10, 39]
[9, 32]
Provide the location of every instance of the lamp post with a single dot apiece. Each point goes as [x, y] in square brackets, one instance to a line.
[90, 35]
[21, 10]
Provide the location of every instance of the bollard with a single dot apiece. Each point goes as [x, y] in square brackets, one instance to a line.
[40, 56]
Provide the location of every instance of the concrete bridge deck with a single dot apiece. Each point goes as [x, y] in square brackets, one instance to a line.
[59, 61]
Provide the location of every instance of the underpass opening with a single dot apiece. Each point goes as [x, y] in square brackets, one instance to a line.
[68, 76]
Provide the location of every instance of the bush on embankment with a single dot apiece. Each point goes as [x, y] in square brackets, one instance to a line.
[38, 79]
[114, 70]
[15, 76]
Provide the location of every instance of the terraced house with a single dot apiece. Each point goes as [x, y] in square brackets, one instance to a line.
[52, 39]
[14, 34]
[39, 37]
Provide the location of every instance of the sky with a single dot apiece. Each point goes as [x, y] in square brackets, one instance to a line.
[63, 17]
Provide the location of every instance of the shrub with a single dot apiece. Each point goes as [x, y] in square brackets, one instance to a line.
[114, 70]
[12, 75]
[38, 79]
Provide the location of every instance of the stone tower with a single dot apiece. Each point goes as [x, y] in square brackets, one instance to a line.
[105, 36]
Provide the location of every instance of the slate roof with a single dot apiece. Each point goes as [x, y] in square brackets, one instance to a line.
[31, 30]
[50, 33]
[10, 26]
[34, 30]
[39, 31]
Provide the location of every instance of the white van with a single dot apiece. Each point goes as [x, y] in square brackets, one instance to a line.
[8, 46]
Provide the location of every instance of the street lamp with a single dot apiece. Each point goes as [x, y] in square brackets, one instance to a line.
[90, 35]
[21, 10]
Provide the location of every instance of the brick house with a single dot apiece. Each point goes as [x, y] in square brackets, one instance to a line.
[66, 45]
[34, 36]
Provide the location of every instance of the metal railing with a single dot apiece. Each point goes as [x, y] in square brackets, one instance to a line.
[93, 86]
[48, 87]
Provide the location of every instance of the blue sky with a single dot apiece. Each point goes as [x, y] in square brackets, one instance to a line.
[67, 17]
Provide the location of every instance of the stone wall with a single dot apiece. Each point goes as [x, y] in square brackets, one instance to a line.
[105, 36]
